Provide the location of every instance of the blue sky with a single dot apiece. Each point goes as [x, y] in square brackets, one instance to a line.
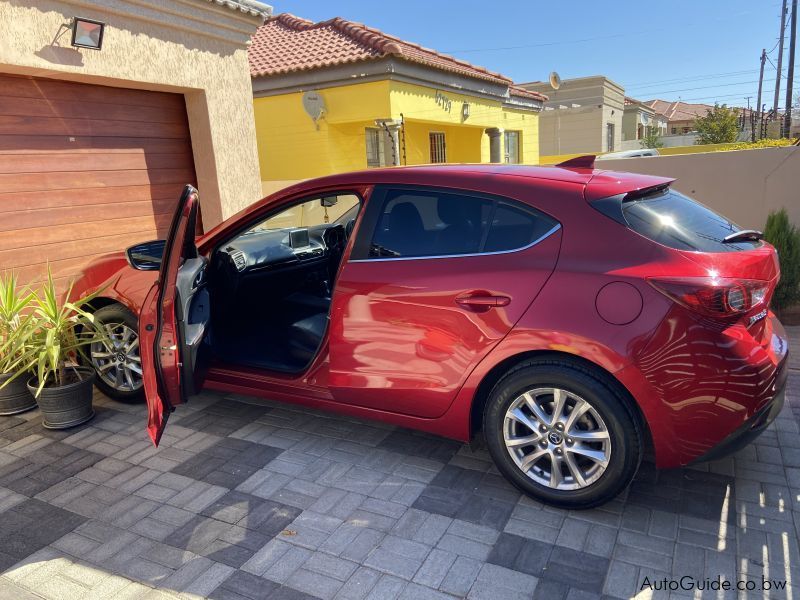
[695, 50]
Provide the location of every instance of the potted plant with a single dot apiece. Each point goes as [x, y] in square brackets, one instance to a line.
[15, 331]
[63, 388]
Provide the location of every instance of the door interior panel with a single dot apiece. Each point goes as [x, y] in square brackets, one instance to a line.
[193, 314]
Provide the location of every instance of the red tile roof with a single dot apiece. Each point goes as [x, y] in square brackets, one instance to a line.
[286, 43]
[678, 111]
[515, 90]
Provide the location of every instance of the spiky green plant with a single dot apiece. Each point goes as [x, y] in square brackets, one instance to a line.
[62, 330]
[16, 324]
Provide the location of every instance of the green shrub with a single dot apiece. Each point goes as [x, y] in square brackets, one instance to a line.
[786, 238]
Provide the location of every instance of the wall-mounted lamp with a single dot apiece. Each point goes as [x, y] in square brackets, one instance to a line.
[87, 33]
[465, 111]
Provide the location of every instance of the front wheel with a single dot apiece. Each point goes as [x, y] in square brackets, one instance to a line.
[116, 359]
[562, 434]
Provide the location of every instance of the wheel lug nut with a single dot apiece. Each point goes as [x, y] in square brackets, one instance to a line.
[559, 426]
[542, 428]
[543, 443]
[558, 450]
[569, 440]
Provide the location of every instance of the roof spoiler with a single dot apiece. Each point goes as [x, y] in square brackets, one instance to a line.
[579, 162]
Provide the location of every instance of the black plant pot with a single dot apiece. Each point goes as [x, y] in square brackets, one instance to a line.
[15, 397]
[67, 405]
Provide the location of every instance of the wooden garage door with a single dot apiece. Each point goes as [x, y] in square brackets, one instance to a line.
[85, 170]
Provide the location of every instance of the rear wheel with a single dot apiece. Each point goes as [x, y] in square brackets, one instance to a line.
[116, 360]
[562, 433]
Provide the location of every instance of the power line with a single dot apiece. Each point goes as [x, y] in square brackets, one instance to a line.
[691, 78]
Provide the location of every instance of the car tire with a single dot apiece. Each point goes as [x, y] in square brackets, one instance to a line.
[608, 429]
[111, 315]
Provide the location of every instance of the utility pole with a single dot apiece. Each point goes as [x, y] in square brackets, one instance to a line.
[758, 103]
[790, 73]
[780, 60]
[743, 119]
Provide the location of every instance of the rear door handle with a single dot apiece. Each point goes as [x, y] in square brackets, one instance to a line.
[482, 302]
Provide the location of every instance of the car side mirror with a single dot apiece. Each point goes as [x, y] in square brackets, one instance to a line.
[146, 256]
[328, 201]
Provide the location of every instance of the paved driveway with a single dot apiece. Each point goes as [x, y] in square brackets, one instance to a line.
[244, 501]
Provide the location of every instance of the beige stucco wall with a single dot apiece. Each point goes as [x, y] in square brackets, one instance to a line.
[194, 47]
[743, 185]
[590, 103]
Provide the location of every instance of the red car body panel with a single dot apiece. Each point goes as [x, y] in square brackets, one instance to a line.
[158, 327]
[401, 349]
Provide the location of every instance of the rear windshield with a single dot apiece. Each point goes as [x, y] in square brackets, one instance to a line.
[672, 219]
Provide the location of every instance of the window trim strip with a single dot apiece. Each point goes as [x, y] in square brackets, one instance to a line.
[544, 236]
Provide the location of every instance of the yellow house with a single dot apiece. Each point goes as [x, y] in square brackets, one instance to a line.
[338, 96]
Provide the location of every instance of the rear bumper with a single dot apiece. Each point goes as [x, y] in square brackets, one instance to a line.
[755, 425]
[710, 384]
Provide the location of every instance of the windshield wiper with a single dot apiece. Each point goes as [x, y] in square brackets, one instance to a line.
[744, 235]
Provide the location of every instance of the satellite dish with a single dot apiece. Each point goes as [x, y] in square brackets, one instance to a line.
[314, 105]
[555, 80]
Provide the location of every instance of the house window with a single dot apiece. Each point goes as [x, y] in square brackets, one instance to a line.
[610, 137]
[512, 147]
[375, 147]
[438, 147]
[674, 130]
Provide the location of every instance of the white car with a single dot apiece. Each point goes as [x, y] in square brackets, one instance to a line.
[629, 154]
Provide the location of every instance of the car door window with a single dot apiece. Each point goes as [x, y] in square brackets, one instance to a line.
[416, 223]
[428, 223]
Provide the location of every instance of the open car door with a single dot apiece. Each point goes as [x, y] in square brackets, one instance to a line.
[174, 320]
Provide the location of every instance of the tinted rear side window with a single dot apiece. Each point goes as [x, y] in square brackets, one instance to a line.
[674, 220]
[515, 227]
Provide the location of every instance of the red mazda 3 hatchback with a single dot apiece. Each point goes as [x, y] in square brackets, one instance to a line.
[568, 313]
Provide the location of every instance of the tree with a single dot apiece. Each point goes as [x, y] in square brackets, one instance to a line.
[786, 238]
[652, 137]
[719, 126]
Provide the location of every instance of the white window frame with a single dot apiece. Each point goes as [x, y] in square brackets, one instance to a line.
[516, 135]
[379, 157]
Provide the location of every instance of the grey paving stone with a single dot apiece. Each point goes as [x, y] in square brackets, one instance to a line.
[499, 582]
[330, 566]
[565, 562]
[461, 576]
[363, 544]
[464, 547]
[387, 588]
[282, 569]
[359, 584]
[382, 559]
[435, 568]
[520, 554]
[419, 444]
[241, 585]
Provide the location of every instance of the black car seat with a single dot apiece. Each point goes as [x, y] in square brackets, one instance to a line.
[403, 231]
[462, 220]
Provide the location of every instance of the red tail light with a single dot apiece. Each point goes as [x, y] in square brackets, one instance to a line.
[714, 296]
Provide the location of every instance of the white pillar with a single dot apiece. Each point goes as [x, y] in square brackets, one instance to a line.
[495, 144]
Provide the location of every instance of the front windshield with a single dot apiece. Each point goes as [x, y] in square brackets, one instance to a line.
[310, 214]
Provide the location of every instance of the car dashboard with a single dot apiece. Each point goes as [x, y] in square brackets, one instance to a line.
[280, 248]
